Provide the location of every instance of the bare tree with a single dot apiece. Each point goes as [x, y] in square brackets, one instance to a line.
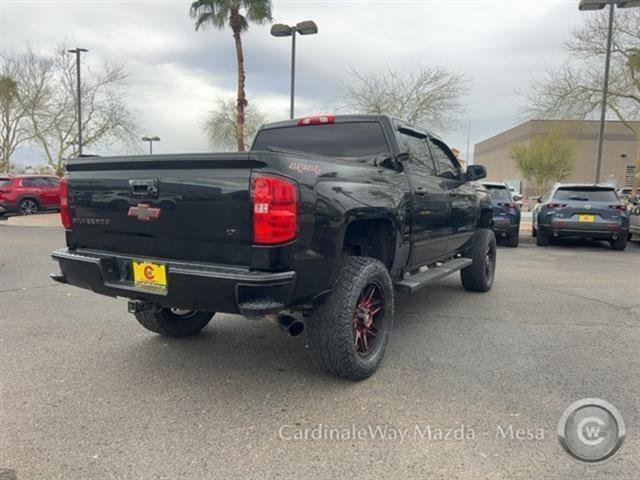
[575, 90]
[14, 128]
[220, 125]
[48, 84]
[39, 169]
[432, 96]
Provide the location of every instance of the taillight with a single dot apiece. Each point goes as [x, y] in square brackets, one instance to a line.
[556, 205]
[316, 120]
[622, 208]
[507, 205]
[275, 209]
[65, 218]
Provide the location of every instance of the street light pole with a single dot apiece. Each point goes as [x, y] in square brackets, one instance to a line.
[150, 140]
[293, 71]
[307, 27]
[605, 93]
[469, 143]
[78, 51]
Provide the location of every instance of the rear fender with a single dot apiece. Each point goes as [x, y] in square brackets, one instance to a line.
[339, 204]
[485, 217]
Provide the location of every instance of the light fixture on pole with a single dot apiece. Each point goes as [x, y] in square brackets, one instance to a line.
[307, 27]
[590, 5]
[77, 52]
[150, 140]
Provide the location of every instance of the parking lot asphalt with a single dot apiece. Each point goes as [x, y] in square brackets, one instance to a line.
[88, 394]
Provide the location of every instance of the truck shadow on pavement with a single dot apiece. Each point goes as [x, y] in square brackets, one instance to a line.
[233, 349]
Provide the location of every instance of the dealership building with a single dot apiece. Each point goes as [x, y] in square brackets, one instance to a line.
[618, 157]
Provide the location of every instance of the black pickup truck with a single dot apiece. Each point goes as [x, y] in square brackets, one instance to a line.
[315, 227]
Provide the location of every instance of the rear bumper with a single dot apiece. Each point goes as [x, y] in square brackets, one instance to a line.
[194, 286]
[505, 227]
[574, 230]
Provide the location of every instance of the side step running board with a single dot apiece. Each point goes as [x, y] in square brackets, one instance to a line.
[416, 282]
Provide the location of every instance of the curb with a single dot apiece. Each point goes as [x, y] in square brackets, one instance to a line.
[50, 220]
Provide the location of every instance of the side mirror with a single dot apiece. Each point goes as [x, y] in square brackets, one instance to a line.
[388, 160]
[475, 172]
[403, 157]
[539, 199]
[517, 198]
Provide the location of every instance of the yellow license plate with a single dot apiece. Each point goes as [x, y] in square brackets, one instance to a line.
[587, 218]
[148, 274]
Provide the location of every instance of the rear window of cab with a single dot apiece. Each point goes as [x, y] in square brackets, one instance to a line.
[357, 139]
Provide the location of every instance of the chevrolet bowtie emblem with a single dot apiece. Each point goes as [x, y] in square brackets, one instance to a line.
[144, 212]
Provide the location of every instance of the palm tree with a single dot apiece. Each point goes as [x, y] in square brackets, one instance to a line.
[238, 14]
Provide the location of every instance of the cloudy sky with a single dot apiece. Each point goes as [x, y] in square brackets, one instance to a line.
[176, 73]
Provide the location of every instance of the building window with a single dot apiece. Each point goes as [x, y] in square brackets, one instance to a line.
[630, 172]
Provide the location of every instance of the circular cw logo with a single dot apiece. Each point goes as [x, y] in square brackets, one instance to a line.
[591, 430]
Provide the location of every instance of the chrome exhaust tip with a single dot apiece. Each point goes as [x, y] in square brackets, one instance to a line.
[290, 325]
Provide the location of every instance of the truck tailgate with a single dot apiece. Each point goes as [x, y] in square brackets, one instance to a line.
[195, 208]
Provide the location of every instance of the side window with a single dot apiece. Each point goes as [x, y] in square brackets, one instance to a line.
[420, 156]
[28, 182]
[446, 166]
[53, 182]
[35, 182]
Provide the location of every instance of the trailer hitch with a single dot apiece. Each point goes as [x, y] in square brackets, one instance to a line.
[137, 306]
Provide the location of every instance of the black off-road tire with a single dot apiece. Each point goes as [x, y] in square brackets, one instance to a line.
[542, 240]
[166, 322]
[478, 277]
[513, 240]
[619, 244]
[331, 331]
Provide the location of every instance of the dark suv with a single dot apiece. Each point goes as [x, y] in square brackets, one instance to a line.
[582, 211]
[27, 194]
[506, 214]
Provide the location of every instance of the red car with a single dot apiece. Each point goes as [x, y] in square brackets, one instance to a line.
[28, 194]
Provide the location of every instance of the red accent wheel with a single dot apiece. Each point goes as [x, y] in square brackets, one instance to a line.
[368, 319]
